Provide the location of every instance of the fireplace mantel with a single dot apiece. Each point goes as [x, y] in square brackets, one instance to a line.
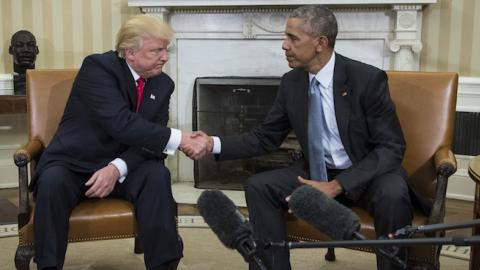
[358, 19]
[244, 38]
[240, 3]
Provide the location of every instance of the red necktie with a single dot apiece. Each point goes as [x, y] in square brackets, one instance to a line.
[140, 86]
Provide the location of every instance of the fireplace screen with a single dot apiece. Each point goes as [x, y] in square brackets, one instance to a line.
[230, 106]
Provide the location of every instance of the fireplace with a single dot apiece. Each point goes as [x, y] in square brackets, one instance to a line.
[231, 106]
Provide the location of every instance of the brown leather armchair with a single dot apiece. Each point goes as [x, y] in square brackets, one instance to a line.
[93, 219]
[425, 103]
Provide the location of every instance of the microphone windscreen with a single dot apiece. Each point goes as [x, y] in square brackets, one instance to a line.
[325, 214]
[223, 217]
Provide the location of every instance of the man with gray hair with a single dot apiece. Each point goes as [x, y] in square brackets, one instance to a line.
[345, 121]
[112, 142]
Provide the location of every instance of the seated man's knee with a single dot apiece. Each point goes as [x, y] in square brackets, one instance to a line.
[396, 193]
[52, 179]
[256, 182]
[158, 175]
[393, 197]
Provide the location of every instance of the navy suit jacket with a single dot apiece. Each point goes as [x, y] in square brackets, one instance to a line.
[100, 124]
[367, 122]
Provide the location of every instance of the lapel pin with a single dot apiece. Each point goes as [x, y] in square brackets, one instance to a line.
[344, 93]
[152, 96]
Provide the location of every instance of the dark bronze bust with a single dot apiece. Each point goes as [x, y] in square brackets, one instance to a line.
[23, 48]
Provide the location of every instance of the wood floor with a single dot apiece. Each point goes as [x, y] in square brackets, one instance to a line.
[456, 210]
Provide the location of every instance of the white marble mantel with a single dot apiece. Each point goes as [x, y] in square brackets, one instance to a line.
[243, 38]
[404, 26]
[238, 3]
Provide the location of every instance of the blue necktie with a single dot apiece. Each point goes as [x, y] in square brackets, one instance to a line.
[316, 127]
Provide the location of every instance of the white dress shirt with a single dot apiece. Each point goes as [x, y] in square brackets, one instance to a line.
[335, 155]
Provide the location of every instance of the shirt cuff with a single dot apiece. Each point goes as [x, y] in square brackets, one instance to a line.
[173, 142]
[217, 145]
[121, 167]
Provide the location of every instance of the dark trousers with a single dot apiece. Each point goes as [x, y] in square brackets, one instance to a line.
[59, 190]
[386, 199]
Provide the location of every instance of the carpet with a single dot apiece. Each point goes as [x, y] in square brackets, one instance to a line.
[202, 251]
[8, 230]
[186, 222]
[8, 212]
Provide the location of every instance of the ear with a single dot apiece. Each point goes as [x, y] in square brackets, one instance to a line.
[129, 53]
[322, 43]
[10, 50]
[36, 50]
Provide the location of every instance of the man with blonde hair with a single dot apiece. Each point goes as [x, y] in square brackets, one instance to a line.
[112, 142]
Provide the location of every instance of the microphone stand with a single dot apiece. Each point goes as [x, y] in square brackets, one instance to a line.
[457, 241]
[409, 231]
[405, 240]
[379, 244]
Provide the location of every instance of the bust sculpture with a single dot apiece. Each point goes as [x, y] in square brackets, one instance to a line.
[23, 48]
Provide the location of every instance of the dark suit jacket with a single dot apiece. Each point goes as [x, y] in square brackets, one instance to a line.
[100, 124]
[366, 119]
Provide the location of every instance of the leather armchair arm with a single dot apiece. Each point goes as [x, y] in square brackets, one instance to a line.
[445, 166]
[26, 153]
[445, 162]
[22, 157]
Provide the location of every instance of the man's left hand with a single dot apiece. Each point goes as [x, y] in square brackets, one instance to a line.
[331, 188]
[102, 182]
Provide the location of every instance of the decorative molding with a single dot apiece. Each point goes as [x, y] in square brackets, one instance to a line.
[407, 44]
[154, 10]
[227, 10]
[201, 3]
[407, 7]
[414, 45]
[255, 24]
[460, 186]
[468, 96]
[160, 12]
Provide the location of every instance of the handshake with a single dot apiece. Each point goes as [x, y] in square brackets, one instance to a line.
[196, 144]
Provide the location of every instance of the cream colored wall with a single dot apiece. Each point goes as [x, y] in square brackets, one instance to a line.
[451, 35]
[66, 30]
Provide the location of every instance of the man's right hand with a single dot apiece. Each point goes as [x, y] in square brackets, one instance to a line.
[102, 182]
[196, 144]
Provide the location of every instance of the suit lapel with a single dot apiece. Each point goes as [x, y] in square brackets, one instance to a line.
[129, 83]
[341, 97]
[301, 105]
[298, 86]
[147, 96]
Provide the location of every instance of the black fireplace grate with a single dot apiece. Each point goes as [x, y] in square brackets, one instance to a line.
[230, 106]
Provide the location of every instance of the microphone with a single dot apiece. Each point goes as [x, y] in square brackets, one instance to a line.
[331, 217]
[230, 226]
[325, 214]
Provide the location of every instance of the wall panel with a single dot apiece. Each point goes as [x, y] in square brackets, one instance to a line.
[66, 30]
[450, 43]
